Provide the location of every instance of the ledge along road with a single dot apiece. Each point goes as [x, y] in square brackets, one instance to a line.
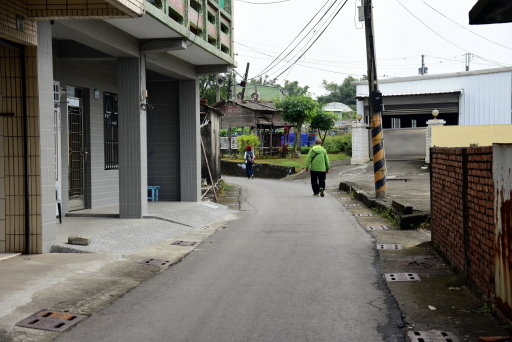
[293, 267]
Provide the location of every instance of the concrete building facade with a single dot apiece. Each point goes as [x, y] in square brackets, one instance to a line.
[100, 109]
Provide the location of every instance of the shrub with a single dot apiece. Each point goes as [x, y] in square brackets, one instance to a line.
[339, 144]
[245, 140]
[305, 149]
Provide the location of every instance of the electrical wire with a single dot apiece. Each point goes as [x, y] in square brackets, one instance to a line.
[263, 3]
[313, 43]
[269, 67]
[465, 28]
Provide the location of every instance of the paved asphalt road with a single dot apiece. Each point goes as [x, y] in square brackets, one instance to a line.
[293, 268]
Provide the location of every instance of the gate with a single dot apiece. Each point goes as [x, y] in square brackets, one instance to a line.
[502, 174]
[76, 154]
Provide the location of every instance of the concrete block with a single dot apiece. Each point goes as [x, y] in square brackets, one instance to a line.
[79, 240]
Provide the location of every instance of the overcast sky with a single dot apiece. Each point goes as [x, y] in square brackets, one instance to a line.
[263, 31]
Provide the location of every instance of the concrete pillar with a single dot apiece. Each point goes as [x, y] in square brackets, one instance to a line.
[131, 77]
[190, 144]
[360, 143]
[47, 137]
[430, 124]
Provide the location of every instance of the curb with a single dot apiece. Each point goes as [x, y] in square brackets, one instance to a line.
[409, 219]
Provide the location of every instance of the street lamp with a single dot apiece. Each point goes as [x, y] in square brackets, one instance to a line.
[359, 117]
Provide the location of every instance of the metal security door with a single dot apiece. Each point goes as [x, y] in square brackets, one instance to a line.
[76, 154]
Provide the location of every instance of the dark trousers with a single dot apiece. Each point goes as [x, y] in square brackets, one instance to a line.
[248, 169]
[317, 181]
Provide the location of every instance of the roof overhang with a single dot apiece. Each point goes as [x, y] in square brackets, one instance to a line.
[491, 12]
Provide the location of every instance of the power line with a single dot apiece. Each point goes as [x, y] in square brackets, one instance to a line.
[305, 46]
[269, 67]
[465, 28]
[310, 46]
[431, 29]
[263, 3]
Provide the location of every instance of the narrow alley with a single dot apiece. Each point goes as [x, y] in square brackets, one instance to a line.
[293, 268]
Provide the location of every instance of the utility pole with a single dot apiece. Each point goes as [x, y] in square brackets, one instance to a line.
[244, 82]
[375, 105]
[423, 70]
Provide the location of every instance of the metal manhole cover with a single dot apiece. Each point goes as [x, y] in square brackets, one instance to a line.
[377, 228]
[431, 336]
[363, 215]
[184, 243]
[352, 205]
[402, 277]
[388, 246]
[155, 262]
[50, 320]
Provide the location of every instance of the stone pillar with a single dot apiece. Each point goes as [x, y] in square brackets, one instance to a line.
[190, 144]
[360, 143]
[131, 77]
[430, 124]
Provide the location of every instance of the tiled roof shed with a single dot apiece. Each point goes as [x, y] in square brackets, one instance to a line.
[249, 113]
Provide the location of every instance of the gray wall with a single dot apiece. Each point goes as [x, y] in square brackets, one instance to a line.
[404, 143]
[47, 134]
[92, 75]
[164, 138]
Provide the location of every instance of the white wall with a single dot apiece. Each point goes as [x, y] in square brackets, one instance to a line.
[486, 98]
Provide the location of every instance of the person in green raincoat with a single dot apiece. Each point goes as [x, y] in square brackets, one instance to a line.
[317, 163]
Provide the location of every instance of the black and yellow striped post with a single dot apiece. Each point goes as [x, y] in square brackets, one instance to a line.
[375, 106]
[379, 158]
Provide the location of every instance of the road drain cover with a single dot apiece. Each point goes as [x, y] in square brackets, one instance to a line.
[388, 246]
[344, 198]
[431, 336]
[377, 227]
[155, 262]
[402, 277]
[363, 215]
[352, 205]
[184, 243]
[51, 320]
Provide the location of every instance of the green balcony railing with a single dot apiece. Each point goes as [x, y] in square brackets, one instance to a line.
[208, 19]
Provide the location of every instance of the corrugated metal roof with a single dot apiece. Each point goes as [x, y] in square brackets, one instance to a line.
[438, 76]
[360, 97]
[337, 107]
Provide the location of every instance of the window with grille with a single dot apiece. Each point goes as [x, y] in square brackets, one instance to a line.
[111, 131]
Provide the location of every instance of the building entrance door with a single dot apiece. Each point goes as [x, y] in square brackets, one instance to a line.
[76, 148]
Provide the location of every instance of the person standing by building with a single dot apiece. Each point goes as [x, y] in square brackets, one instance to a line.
[318, 162]
[249, 157]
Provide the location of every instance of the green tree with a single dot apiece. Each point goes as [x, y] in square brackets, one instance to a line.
[294, 89]
[298, 110]
[344, 92]
[323, 122]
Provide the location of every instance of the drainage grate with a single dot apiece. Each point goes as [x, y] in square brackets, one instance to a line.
[352, 205]
[363, 215]
[184, 243]
[431, 336]
[50, 320]
[344, 198]
[388, 246]
[402, 277]
[369, 228]
[155, 262]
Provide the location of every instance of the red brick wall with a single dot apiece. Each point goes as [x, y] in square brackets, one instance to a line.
[481, 219]
[462, 210]
[447, 204]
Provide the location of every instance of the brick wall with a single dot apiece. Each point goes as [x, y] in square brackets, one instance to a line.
[462, 196]
[480, 202]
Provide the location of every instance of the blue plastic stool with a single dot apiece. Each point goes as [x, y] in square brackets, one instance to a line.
[154, 192]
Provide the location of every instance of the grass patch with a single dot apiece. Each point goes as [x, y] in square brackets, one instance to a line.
[297, 162]
[386, 214]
